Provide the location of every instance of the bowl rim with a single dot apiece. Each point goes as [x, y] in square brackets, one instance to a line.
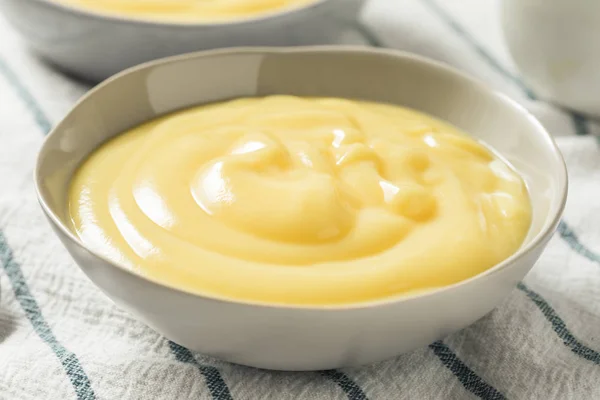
[542, 237]
[148, 22]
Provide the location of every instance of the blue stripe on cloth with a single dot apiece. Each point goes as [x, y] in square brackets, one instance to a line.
[580, 124]
[469, 379]
[559, 326]
[350, 388]
[70, 362]
[368, 35]
[216, 385]
[569, 236]
[42, 121]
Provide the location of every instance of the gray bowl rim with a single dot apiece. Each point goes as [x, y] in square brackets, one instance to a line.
[147, 22]
[542, 237]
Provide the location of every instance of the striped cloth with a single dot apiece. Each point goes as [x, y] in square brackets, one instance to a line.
[60, 338]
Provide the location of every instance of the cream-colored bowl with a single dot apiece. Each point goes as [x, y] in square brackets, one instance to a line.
[304, 338]
[94, 45]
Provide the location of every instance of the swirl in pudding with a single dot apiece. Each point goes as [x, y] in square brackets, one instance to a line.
[292, 200]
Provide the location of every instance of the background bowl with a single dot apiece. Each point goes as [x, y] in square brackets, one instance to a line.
[304, 338]
[94, 45]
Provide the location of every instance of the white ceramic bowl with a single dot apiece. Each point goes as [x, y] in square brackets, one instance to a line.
[94, 45]
[556, 45]
[304, 338]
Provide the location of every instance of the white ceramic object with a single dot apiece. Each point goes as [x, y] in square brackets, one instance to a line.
[556, 45]
[304, 338]
[94, 46]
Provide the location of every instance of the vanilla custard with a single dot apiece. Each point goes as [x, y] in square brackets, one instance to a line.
[290, 200]
[186, 10]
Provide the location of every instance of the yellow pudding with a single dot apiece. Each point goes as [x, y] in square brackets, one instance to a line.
[290, 200]
[186, 10]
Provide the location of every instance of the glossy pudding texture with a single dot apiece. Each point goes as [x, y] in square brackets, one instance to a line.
[186, 10]
[292, 200]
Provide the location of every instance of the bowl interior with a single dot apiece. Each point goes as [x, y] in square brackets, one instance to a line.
[83, 11]
[145, 92]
